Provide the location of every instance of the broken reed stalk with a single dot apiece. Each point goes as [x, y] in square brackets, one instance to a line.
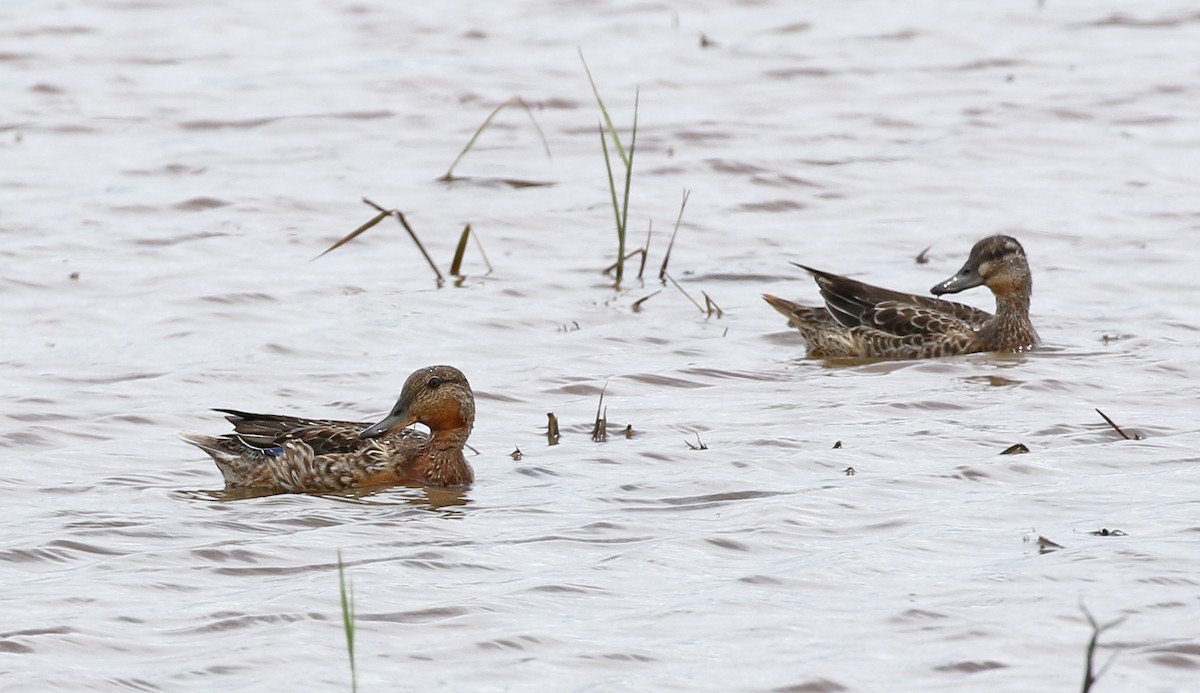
[1088, 677]
[378, 218]
[383, 214]
[552, 434]
[600, 429]
[637, 305]
[662, 271]
[516, 100]
[639, 251]
[620, 207]
[710, 306]
[346, 588]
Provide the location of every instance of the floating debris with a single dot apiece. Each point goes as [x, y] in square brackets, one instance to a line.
[699, 443]
[1108, 533]
[923, 256]
[1046, 546]
[629, 430]
[516, 454]
[849, 471]
[552, 434]
[837, 445]
[74, 276]
[1017, 449]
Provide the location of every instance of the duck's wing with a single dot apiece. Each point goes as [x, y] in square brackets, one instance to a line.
[853, 304]
[323, 436]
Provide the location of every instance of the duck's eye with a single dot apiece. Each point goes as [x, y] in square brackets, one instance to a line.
[434, 383]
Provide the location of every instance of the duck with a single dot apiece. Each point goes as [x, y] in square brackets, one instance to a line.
[273, 453]
[859, 320]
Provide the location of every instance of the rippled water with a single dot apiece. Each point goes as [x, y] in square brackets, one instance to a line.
[167, 172]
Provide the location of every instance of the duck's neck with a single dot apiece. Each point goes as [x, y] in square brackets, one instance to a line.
[1011, 328]
[441, 461]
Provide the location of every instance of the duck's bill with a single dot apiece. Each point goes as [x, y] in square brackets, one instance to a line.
[967, 277]
[389, 424]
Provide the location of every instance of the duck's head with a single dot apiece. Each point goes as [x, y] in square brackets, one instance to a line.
[997, 261]
[437, 396]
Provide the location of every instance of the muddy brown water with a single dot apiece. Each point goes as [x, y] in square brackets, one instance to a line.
[168, 171]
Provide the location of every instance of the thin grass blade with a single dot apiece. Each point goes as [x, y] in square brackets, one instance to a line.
[671, 244]
[604, 111]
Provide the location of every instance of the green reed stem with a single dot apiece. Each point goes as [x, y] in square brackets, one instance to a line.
[346, 588]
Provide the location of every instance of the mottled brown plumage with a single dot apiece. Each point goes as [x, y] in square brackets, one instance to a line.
[860, 320]
[286, 454]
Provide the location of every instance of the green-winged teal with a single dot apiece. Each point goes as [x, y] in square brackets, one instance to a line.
[284, 454]
[864, 321]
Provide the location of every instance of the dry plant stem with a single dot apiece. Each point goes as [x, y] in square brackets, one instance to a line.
[456, 263]
[600, 429]
[662, 271]
[645, 250]
[383, 213]
[1115, 426]
[413, 234]
[639, 251]
[479, 244]
[710, 306]
[1088, 677]
[637, 305]
[517, 100]
[684, 292]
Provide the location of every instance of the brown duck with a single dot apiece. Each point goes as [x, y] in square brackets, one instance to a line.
[864, 321]
[285, 454]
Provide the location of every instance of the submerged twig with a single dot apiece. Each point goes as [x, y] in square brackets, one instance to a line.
[1088, 677]
[923, 256]
[699, 443]
[662, 271]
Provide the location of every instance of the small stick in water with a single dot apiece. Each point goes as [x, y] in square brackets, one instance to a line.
[1115, 426]
[552, 434]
